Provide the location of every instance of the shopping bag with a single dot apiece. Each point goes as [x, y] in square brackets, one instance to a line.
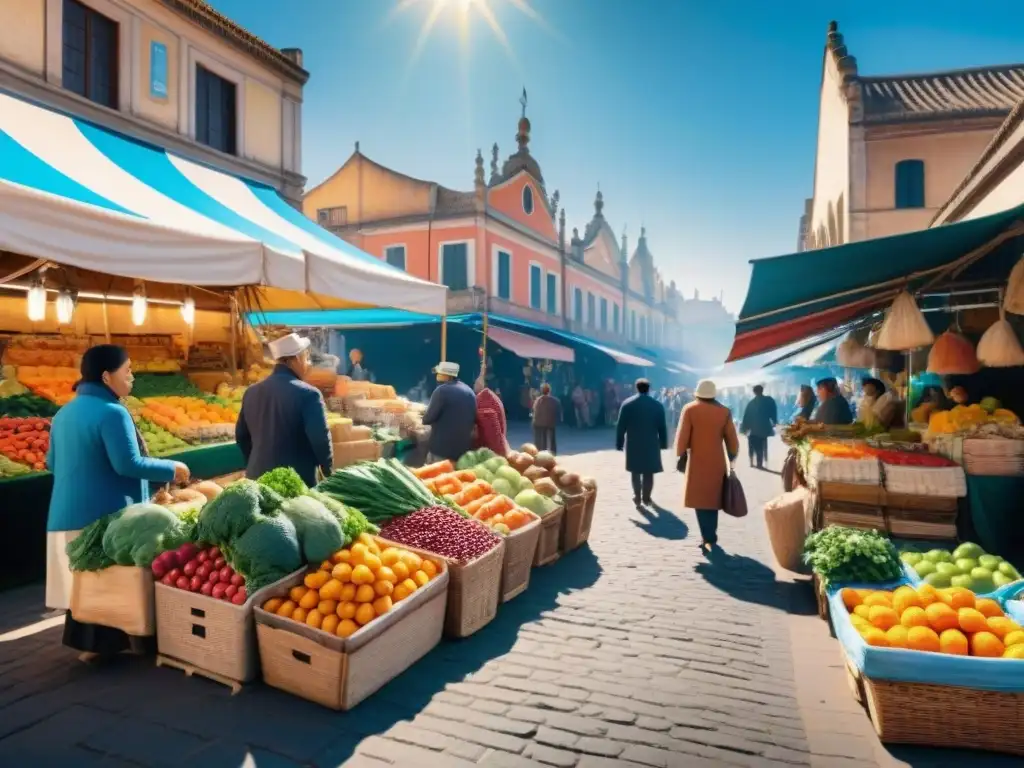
[789, 466]
[734, 502]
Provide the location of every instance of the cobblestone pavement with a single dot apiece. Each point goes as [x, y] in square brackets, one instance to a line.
[632, 651]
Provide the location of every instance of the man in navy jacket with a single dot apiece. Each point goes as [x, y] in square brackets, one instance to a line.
[283, 421]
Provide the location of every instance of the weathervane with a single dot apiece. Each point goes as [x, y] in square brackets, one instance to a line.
[522, 100]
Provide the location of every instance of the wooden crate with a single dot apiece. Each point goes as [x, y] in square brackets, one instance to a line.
[474, 592]
[339, 673]
[550, 537]
[577, 520]
[520, 549]
[119, 596]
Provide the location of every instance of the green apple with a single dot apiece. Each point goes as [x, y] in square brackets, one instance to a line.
[962, 580]
[966, 564]
[938, 556]
[911, 558]
[948, 569]
[924, 568]
[1000, 579]
[1008, 570]
[937, 580]
[968, 549]
[990, 561]
[981, 574]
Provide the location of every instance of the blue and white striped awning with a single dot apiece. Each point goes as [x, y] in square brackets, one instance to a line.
[88, 197]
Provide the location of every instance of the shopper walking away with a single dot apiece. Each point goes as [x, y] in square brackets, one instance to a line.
[547, 415]
[759, 420]
[641, 429]
[834, 408]
[283, 421]
[451, 415]
[100, 465]
[704, 428]
[491, 425]
[579, 405]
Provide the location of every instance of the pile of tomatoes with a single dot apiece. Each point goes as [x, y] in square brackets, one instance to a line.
[25, 441]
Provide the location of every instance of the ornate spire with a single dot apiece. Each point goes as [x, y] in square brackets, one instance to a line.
[598, 203]
[523, 134]
[561, 229]
[494, 164]
[625, 247]
[555, 198]
[479, 174]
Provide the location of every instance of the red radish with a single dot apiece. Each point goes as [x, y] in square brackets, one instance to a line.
[214, 577]
[183, 582]
[203, 556]
[230, 591]
[204, 570]
[190, 568]
[186, 552]
[226, 573]
[159, 568]
[167, 580]
[219, 590]
[214, 552]
[206, 589]
[241, 591]
[220, 562]
[174, 573]
[239, 597]
[238, 580]
[195, 583]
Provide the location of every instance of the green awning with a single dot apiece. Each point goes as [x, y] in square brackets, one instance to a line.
[794, 297]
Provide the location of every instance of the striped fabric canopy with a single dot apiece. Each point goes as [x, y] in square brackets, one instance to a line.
[88, 197]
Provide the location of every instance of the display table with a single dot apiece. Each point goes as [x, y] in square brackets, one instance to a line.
[995, 514]
[25, 503]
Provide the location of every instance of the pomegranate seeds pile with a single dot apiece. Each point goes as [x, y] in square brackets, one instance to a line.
[442, 531]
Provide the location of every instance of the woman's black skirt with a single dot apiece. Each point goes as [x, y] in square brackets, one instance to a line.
[103, 641]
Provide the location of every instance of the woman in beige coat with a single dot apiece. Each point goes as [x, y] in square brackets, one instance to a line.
[705, 436]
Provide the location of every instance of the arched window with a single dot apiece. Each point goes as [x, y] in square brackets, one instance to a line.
[909, 184]
[528, 199]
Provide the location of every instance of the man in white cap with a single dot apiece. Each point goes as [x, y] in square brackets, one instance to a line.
[283, 421]
[451, 415]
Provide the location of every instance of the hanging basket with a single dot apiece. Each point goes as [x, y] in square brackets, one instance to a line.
[852, 354]
[953, 354]
[904, 327]
[1014, 301]
[999, 346]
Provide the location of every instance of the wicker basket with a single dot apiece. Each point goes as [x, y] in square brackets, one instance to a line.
[341, 672]
[213, 635]
[474, 591]
[550, 536]
[119, 596]
[520, 548]
[822, 597]
[576, 522]
[919, 713]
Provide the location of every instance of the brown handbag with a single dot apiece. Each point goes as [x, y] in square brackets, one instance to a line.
[734, 501]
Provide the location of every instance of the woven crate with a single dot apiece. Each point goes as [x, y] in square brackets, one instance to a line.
[474, 592]
[355, 451]
[919, 713]
[550, 537]
[119, 596]
[576, 522]
[341, 672]
[821, 597]
[520, 548]
[214, 635]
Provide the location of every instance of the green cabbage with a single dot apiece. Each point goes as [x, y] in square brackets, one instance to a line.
[228, 516]
[141, 532]
[353, 522]
[318, 530]
[266, 552]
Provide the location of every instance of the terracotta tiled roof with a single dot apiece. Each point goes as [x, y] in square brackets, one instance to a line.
[987, 91]
[451, 202]
[208, 17]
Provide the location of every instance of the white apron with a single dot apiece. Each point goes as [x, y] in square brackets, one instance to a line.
[58, 571]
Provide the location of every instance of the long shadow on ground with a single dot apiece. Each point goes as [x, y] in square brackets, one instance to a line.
[751, 581]
[57, 711]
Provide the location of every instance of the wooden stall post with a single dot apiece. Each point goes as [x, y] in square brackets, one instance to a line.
[444, 337]
[234, 340]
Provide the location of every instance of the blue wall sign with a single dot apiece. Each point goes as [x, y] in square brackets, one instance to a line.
[158, 70]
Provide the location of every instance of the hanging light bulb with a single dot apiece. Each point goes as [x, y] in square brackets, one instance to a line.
[37, 302]
[65, 306]
[139, 306]
[188, 311]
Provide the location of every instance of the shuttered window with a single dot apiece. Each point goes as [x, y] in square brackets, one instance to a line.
[504, 275]
[552, 281]
[216, 111]
[89, 53]
[455, 266]
[910, 184]
[536, 287]
[395, 256]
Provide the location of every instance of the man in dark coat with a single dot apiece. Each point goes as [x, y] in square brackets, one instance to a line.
[759, 420]
[641, 429]
[283, 421]
[451, 415]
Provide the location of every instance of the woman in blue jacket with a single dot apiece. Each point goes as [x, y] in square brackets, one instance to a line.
[99, 466]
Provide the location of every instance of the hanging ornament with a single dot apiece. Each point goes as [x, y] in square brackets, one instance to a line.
[65, 305]
[1014, 301]
[952, 353]
[852, 354]
[904, 327]
[188, 311]
[139, 306]
[37, 302]
[999, 346]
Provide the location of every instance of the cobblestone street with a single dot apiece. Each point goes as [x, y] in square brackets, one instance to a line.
[634, 651]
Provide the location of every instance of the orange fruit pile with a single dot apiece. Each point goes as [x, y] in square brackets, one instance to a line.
[354, 587]
[952, 621]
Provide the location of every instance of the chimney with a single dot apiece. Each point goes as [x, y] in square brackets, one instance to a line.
[293, 54]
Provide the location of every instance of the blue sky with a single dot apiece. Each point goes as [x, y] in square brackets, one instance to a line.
[697, 119]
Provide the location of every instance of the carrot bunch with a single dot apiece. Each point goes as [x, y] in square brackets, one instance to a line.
[25, 441]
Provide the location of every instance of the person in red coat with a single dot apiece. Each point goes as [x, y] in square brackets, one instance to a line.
[491, 427]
